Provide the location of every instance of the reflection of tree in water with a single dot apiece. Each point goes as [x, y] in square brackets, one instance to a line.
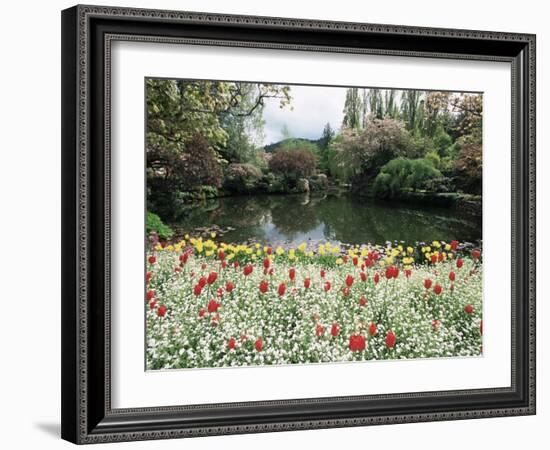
[293, 215]
[341, 218]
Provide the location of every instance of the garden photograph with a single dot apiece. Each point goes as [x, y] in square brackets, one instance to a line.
[302, 224]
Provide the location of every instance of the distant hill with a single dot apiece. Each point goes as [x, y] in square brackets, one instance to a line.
[291, 142]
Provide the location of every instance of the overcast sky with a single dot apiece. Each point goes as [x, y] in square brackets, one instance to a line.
[314, 106]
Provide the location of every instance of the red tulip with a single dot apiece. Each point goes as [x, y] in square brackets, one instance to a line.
[459, 263]
[215, 320]
[452, 276]
[224, 264]
[231, 344]
[152, 304]
[375, 256]
[390, 339]
[184, 257]
[259, 344]
[212, 277]
[436, 324]
[247, 269]
[345, 258]
[219, 292]
[355, 260]
[376, 278]
[148, 276]
[197, 290]
[269, 250]
[362, 301]
[335, 329]
[282, 289]
[236, 264]
[363, 276]
[307, 283]
[202, 282]
[152, 259]
[229, 287]
[327, 286]
[427, 283]
[264, 286]
[454, 245]
[408, 273]
[177, 269]
[433, 259]
[357, 343]
[202, 312]
[323, 273]
[319, 330]
[150, 295]
[161, 311]
[468, 309]
[203, 266]
[476, 253]
[345, 291]
[368, 262]
[373, 329]
[267, 262]
[292, 273]
[437, 289]
[221, 255]
[349, 281]
[213, 306]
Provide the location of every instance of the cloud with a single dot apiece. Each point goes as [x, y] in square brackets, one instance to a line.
[313, 107]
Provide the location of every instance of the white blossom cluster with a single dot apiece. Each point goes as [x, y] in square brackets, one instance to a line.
[308, 324]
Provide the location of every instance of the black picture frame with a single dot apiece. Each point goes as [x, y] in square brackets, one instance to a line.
[87, 33]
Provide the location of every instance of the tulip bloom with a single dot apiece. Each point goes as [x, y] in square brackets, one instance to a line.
[363, 276]
[267, 262]
[307, 283]
[452, 276]
[259, 344]
[319, 330]
[323, 273]
[459, 263]
[437, 289]
[454, 245]
[476, 253]
[202, 312]
[150, 295]
[213, 306]
[362, 301]
[436, 324]
[161, 311]
[390, 339]
[427, 283]
[202, 282]
[197, 290]
[282, 289]
[327, 286]
[264, 286]
[372, 329]
[376, 278]
[292, 273]
[357, 343]
[468, 309]
[335, 329]
[229, 287]
[221, 255]
[355, 260]
[231, 344]
[212, 277]
[349, 281]
[183, 258]
[247, 269]
[152, 259]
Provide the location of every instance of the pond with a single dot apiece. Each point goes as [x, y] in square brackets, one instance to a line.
[293, 219]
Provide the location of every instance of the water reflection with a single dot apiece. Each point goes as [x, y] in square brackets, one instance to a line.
[274, 219]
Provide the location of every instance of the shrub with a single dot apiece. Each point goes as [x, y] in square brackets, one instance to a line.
[293, 164]
[402, 173]
[242, 178]
[156, 225]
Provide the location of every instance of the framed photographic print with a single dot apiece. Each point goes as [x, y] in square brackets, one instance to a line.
[280, 224]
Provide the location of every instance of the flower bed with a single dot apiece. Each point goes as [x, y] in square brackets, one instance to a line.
[218, 305]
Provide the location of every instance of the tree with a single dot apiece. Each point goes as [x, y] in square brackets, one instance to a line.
[401, 173]
[324, 147]
[293, 164]
[412, 109]
[352, 109]
[363, 152]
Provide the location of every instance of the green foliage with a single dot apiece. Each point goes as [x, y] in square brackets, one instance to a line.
[156, 225]
[402, 173]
